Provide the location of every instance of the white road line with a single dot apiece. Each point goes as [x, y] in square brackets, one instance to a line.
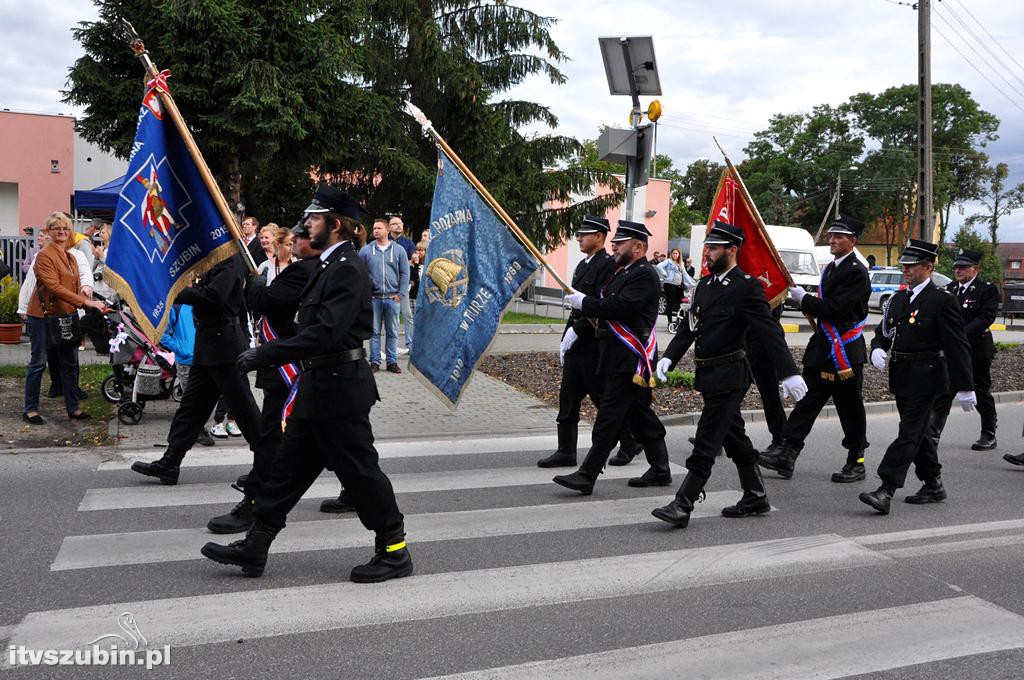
[105, 550]
[814, 649]
[240, 455]
[936, 532]
[154, 495]
[197, 620]
[954, 546]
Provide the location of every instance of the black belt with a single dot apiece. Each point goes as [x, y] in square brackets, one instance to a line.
[738, 355]
[217, 323]
[918, 356]
[605, 333]
[324, 360]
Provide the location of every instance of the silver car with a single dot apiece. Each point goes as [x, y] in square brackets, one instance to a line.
[888, 280]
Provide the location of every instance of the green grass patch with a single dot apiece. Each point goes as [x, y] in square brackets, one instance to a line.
[519, 317]
[1000, 346]
[678, 379]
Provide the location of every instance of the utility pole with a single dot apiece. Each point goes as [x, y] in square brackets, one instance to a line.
[925, 185]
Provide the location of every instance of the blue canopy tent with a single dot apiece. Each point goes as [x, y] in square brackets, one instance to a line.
[101, 201]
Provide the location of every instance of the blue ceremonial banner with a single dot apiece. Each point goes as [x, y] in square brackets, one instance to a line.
[166, 228]
[474, 269]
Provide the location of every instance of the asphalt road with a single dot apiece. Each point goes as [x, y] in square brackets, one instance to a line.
[512, 570]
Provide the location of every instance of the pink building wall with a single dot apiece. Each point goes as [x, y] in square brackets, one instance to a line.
[563, 259]
[28, 143]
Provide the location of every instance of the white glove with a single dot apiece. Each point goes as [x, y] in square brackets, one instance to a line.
[794, 386]
[575, 300]
[797, 293]
[878, 358]
[968, 400]
[662, 369]
[567, 341]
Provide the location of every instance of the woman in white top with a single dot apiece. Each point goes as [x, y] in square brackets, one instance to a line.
[280, 254]
[675, 282]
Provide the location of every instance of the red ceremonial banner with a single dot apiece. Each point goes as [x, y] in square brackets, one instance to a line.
[758, 256]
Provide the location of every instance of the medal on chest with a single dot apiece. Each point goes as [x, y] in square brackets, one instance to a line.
[913, 316]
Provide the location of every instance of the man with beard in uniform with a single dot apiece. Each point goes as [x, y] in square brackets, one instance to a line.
[979, 304]
[578, 351]
[835, 357]
[216, 299]
[726, 305]
[329, 425]
[627, 307]
[922, 334]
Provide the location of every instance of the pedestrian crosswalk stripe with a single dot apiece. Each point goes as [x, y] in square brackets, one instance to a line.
[813, 649]
[237, 455]
[195, 620]
[149, 494]
[144, 547]
[942, 531]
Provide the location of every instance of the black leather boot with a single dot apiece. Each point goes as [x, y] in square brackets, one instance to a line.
[565, 456]
[783, 460]
[391, 559]
[204, 438]
[237, 520]
[853, 470]
[754, 500]
[986, 442]
[880, 499]
[773, 448]
[166, 469]
[629, 449]
[343, 503]
[577, 481]
[678, 511]
[1014, 460]
[242, 481]
[659, 474]
[931, 492]
[250, 553]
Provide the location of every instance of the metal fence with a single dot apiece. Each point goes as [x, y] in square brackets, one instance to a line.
[15, 251]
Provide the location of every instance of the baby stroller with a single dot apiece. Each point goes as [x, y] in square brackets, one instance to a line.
[141, 371]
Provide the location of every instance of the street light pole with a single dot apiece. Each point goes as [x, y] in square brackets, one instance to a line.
[839, 185]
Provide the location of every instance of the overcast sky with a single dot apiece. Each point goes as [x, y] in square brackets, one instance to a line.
[726, 65]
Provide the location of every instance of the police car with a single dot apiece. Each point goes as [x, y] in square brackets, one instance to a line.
[887, 280]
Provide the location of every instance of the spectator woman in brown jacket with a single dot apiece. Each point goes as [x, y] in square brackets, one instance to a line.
[58, 292]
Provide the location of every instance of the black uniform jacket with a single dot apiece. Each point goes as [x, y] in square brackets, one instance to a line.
[631, 298]
[844, 304]
[217, 299]
[722, 314]
[335, 314]
[278, 302]
[588, 279]
[979, 307]
[930, 324]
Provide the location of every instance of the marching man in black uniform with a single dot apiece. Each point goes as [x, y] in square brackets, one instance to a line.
[835, 356]
[579, 351]
[217, 299]
[726, 305]
[627, 306]
[979, 304]
[922, 335]
[329, 425]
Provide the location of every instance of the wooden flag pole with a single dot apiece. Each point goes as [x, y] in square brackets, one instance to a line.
[486, 195]
[167, 101]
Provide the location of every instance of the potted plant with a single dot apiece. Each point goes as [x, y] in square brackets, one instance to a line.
[10, 322]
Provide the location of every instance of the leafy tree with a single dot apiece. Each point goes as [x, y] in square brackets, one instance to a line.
[967, 239]
[998, 200]
[261, 84]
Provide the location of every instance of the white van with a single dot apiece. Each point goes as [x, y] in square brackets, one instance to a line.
[795, 246]
[823, 255]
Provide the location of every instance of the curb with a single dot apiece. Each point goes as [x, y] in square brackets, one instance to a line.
[871, 408]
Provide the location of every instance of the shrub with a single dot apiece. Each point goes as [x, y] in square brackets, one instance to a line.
[9, 300]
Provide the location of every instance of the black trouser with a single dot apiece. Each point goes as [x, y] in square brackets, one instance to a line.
[912, 443]
[848, 397]
[221, 411]
[673, 296]
[720, 426]
[623, 401]
[273, 402]
[768, 387]
[982, 368]
[205, 385]
[346, 445]
[580, 379]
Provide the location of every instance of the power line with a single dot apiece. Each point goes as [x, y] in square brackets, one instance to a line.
[973, 49]
[971, 63]
[987, 32]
